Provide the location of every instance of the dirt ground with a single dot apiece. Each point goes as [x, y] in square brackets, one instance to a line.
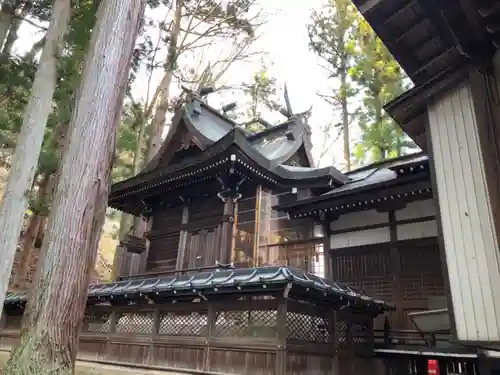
[87, 368]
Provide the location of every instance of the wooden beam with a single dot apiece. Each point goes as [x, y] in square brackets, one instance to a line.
[493, 28]
[370, 5]
[397, 14]
[490, 11]
[432, 61]
[410, 29]
[471, 14]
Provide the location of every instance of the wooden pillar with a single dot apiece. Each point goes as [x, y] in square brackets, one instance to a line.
[227, 232]
[143, 258]
[328, 259]
[181, 250]
[395, 261]
[211, 321]
[120, 263]
[281, 325]
[257, 228]
[335, 341]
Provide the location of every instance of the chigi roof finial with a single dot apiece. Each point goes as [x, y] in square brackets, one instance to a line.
[287, 101]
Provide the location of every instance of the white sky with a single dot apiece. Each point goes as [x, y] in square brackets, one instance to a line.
[284, 38]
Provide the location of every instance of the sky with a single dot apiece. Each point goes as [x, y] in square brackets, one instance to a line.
[285, 40]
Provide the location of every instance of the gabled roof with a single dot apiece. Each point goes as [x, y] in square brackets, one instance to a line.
[225, 147]
[208, 126]
[405, 178]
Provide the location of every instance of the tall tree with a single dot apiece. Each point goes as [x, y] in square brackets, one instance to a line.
[54, 312]
[70, 67]
[25, 159]
[381, 79]
[332, 37]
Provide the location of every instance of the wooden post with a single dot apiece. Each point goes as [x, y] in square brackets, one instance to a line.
[227, 232]
[335, 341]
[328, 259]
[256, 234]
[181, 250]
[151, 357]
[395, 261]
[282, 334]
[211, 321]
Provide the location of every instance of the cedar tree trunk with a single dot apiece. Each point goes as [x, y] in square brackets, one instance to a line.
[54, 312]
[29, 143]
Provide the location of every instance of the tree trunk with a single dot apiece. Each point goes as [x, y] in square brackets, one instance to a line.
[382, 152]
[33, 242]
[158, 123]
[25, 158]
[54, 312]
[345, 116]
[14, 29]
[36, 227]
[6, 19]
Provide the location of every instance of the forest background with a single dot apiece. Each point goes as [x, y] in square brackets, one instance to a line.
[248, 51]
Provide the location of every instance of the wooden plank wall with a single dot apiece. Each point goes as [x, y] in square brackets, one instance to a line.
[391, 256]
[164, 240]
[185, 236]
[465, 158]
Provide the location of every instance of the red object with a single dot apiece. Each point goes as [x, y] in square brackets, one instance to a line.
[432, 367]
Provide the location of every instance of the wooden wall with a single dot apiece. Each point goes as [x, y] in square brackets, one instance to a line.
[194, 235]
[185, 236]
[393, 256]
[464, 140]
[164, 239]
[259, 336]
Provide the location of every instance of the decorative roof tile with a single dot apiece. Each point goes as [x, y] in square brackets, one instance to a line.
[301, 285]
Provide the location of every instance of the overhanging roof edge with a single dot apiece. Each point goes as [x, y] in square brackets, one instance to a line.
[400, 109]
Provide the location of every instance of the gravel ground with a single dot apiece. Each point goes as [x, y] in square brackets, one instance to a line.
[87, 368]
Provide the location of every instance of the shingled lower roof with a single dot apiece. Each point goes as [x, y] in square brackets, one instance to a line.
[298, 284]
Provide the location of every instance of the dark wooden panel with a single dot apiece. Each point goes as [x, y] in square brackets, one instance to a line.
[369, 269]
[179, 357]
[242, 362]
[167, 217]
[302, 364]
[210, 207]
[163, 253]
[366, 268]
[421, 276]
[202, 248]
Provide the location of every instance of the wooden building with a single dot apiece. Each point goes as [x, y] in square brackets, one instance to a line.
[381, 235]
[256, 262]
[224, 280]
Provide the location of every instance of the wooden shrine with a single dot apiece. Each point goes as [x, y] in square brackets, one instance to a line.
[223, 280]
